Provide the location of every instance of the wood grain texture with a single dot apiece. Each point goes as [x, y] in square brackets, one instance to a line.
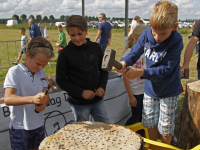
[189, 130]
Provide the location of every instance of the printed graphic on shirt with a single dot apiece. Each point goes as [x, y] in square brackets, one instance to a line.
[153, 55]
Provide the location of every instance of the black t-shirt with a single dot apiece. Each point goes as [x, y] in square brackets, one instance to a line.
[196, 32]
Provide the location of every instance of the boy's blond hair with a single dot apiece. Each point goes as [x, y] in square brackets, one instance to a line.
[164, 15]
[136, 33]
[59, 26]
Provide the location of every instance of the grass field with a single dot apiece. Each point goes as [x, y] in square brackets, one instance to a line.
[117, 43]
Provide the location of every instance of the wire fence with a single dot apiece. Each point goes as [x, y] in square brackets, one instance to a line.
[9, 52]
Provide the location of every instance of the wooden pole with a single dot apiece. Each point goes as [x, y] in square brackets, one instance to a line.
[189, 130]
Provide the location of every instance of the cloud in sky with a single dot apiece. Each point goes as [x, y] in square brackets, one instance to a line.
[112, 8]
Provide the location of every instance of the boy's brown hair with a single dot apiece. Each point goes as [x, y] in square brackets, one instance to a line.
[23, 29]
[76, 21]
[40, 44]
[59, 26]
[164, 15]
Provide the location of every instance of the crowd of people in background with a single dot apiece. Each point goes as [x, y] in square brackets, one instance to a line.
[152, 80]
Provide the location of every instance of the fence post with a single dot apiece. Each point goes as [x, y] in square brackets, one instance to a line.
[16, 49]
[8, 55]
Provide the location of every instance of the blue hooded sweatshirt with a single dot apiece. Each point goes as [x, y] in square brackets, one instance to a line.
[163, 63]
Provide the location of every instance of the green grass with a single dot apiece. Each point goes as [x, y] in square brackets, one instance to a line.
[117, 43]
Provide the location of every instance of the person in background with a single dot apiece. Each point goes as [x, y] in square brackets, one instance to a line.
[79, 73]
[162, 45]
[24, 90]
[24, 44]
[190, 47]
[104, 32]
[135, 87]
[190, 35]
[61, 39]
[140, 22]
[34, 30]
[133, 24]
[40, 25]
[46, 35]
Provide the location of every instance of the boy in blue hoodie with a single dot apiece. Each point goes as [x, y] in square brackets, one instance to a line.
[162, 46]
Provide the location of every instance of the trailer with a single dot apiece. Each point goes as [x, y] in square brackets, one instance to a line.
[11, 23]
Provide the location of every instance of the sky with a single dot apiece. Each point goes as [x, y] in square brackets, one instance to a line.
[188, 9]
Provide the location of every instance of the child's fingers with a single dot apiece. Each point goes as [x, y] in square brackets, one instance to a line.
[40, 107]
[123, 70]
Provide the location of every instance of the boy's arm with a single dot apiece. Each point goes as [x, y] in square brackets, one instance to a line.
[59, 44]
[11, 99]
[133, 73]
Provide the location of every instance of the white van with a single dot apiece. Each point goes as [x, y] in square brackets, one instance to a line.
[11, 23]
[62, 23]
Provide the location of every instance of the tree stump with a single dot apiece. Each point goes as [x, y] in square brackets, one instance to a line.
[189, 129]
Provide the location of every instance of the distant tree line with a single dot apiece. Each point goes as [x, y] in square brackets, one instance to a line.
[23, 18]
[50, 19]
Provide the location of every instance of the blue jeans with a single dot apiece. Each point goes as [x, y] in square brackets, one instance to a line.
[22, 139]
[198, 71]
[137, 113]
[103, 47]
[96, 110]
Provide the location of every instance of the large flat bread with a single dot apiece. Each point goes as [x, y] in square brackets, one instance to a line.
[92, 136]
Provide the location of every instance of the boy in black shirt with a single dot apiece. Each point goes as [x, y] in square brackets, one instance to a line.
[79, 73]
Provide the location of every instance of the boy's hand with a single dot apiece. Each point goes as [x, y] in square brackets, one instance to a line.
[41, 98]
[40, 107]
[100, 92]
[88, 94]
[133, 101]
[123, 70]
[133, 73]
